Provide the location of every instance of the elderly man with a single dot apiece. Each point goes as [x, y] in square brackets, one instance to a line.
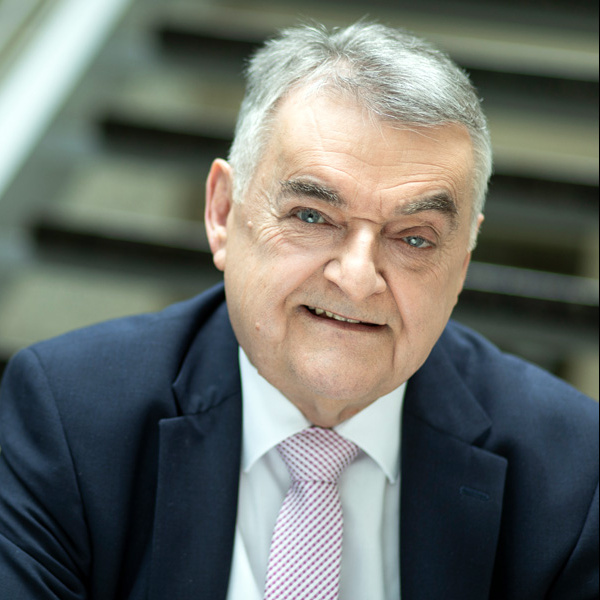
[318, 428]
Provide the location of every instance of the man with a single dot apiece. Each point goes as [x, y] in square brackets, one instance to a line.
[149, 457]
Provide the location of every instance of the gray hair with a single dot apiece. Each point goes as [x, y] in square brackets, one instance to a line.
[395, 75]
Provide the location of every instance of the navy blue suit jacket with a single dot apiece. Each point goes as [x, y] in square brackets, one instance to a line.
[121, 452]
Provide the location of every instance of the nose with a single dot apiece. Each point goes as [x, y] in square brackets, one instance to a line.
[354, 268]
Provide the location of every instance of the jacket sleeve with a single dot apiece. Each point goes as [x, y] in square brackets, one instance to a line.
[44, 545]
[579, 578]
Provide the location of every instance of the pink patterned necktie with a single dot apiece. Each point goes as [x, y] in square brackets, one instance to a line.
[306, 549]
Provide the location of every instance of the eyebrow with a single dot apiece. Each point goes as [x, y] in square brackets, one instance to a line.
[312, 189]
[440, 201]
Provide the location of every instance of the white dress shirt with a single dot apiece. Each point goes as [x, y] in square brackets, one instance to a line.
[369, 490]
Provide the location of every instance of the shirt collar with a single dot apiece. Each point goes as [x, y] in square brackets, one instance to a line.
[269, 418]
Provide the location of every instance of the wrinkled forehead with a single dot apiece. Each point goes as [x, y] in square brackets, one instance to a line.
[330, 123]
[292, 110]
[308, 121]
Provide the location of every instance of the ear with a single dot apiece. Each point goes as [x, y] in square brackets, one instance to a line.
[218, 203]
[467, 260]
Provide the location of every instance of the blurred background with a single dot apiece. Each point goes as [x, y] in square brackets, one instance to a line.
[112, 110]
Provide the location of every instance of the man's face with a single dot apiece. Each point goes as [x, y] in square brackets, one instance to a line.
[345, 259]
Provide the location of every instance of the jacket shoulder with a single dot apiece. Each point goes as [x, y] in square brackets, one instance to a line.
[114, 374]
[490, 373]
[533, 413]
[117, 351]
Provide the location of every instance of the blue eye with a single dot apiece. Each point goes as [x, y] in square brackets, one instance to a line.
[308, 215]
[415, 241]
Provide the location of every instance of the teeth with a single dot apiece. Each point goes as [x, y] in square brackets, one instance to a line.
[320, 311]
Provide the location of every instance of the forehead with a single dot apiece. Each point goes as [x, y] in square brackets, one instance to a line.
[339, 143]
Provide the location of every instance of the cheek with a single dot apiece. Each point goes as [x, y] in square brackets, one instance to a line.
[261, 284]
[425, 299]
[285, 264]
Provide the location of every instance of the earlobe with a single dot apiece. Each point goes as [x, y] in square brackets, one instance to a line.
[480, 219]
[219, 199]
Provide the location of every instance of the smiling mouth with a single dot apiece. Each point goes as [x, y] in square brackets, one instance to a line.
[320, 312]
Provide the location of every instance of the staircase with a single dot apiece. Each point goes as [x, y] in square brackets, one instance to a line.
[101, 207]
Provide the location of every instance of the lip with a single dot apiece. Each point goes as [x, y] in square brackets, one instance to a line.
[347, 324]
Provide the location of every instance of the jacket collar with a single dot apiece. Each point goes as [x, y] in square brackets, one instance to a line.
[438, 395]
[210, 371]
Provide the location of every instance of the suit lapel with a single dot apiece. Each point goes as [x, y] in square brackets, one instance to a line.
[198, 473]
[451, 489]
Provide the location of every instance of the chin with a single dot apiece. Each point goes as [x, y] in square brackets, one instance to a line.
[329, 412]
[333, 395]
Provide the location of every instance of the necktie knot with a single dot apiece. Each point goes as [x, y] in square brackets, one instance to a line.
[317, 454]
